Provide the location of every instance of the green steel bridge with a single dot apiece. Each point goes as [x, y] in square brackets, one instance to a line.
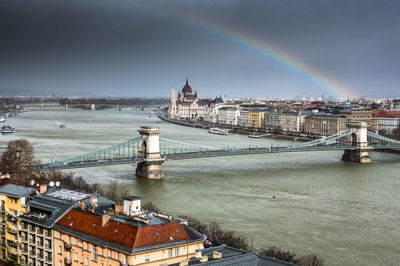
[129, 152]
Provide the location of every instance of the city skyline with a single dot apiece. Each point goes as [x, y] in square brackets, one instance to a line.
[236, 48]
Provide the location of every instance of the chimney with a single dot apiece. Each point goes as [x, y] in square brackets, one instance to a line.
[93, 200]
[104, 219]
[110, 211]
[118, 208]
[216, 255]
[204, 259]
[42, 188]
[198, 253]
[81, 205]
[184, 263]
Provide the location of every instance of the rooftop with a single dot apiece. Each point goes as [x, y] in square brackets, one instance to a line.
[66, 194]
[237, 257]
[16, 191]
[125, 235]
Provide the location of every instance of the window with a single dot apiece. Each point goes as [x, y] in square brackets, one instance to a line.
[94, 253]
[87, 261]
[60, 263]
[147, 259]
[170, 252]
[69, 240]
[76, 241]
[59, 250]
[76, 256]
[177, 252]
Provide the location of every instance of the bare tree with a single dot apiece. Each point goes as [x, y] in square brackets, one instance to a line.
[115, 191]
[150, 206]
[18, 159]
[277, 253]
[311, 260]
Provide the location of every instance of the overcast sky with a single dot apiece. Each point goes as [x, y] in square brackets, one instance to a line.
[144, 48]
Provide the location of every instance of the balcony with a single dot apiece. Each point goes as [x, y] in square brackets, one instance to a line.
[48, 259]
[67, 261]
[32, 253]
[48, 246]
[12, 231]
[40, 255]
[39, 231]
[24, 238]
[24, 249]
[12, 243]
[67, 246]
[39, 243]
[48, 234]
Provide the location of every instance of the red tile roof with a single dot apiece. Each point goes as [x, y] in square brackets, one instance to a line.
[123, 234]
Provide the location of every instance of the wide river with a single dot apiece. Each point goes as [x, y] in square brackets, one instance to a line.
[347, 213]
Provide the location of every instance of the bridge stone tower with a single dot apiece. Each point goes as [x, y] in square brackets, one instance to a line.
[360, 142]
[149, 150]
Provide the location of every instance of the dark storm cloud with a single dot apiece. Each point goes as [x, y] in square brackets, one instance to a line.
[136, 48]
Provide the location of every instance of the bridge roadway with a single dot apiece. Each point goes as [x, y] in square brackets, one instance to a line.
[84, 105]
[207, 153]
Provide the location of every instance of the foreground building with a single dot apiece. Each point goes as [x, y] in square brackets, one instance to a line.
[228, 256]
[124, 235]
[37, 243]
[13, 200]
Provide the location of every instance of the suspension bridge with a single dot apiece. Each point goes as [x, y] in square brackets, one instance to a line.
[149, 150]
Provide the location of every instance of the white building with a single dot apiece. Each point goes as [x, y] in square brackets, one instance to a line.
[228, 116]
[244, 118]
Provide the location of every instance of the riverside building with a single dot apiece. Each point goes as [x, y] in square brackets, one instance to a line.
[186, 105]
[325, 124]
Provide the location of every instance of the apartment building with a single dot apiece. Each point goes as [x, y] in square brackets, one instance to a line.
[257, 118]
[244, 118]
[363, 115]
[228, 116]
[123, 235]
[37, 241]
[325, 124]
[13, 199]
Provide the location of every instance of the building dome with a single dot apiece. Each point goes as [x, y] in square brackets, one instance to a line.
[187, 89]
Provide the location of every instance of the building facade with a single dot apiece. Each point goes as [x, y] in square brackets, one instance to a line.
[228, 116]
[13, 200]
[324, 124]
[121, 237]
[244, 118]
[256, 118]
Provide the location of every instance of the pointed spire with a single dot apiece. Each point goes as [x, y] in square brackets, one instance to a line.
[187, 80]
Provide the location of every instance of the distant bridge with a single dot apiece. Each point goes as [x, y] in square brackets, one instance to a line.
[88, 106]
[149, 150]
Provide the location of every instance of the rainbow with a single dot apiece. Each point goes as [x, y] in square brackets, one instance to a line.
[265, 49]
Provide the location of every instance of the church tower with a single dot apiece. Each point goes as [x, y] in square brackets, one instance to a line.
[172, 105]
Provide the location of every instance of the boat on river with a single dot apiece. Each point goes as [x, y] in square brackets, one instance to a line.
[254, 136]
[218, 131]
[6, 129]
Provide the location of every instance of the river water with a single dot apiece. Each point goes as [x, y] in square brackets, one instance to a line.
[347, 213]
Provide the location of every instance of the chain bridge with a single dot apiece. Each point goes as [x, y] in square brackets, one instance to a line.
[149, 150]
